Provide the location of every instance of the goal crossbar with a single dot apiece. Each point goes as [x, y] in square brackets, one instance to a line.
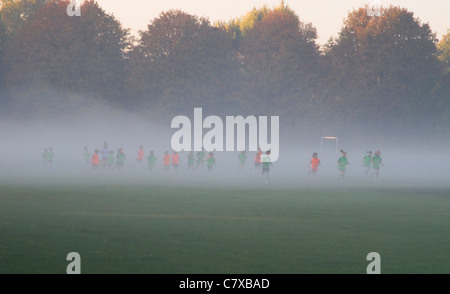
[329, 138]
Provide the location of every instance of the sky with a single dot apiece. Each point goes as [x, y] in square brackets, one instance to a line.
[326, 15]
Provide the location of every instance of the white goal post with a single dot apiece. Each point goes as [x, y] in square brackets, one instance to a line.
[329, 138]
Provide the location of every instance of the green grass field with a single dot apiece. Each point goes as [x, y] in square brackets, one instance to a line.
[152, 229]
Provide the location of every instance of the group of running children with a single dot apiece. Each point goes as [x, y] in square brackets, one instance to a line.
[370, 161]
[105, 158]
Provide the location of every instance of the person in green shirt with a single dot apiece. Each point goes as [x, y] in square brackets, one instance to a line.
[120, 158]
[242, 158]
[210, 161]
[376, 163]
[200, 158]
[191, 160]
[342, 164]
[151, 160]
[367, 160]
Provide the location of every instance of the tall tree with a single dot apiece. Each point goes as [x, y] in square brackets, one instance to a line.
[239, 26]
[79, 54]
[444, 85]
[280, 58]
[2, 41]
[2, 63]
[377, 62]
[182, 61]
[16, 13]
[444, 51]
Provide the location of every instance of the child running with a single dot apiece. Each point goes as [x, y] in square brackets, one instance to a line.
[242, 158]
[94, 160]
[258, 160]
[105, 153]
[166, 160]
[210, 161]
[376, 163]
[140, 156]
[314, 164]
[342, 164]
[367, 160]
[200, 158]
[175, 160]
[120, 158]
[151, 160]
[191, 160]
[266, 164]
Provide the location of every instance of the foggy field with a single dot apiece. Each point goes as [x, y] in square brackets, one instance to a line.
[93, 113]
[137, 220]
[409, 162]
[152, 228]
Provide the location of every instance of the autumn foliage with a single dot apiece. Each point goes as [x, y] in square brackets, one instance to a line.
[379, 69]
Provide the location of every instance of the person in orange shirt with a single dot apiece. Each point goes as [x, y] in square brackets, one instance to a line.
[140, 155]
[175, 160]
[166, 160]
[314, 164]
[258, 160]
[94, 160]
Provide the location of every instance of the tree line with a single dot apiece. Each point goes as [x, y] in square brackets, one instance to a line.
[389, 68]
